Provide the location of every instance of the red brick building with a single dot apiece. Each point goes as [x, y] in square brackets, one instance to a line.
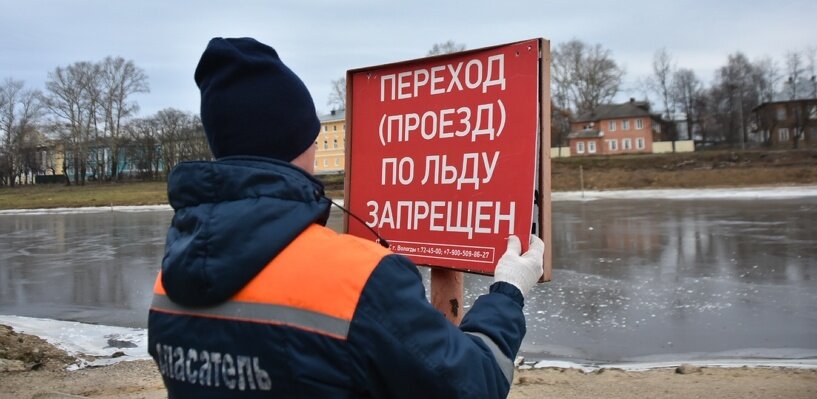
[613, 129]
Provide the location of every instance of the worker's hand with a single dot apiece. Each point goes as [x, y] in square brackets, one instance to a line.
[521, 270]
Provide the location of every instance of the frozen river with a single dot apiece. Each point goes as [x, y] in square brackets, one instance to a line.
[634, 279]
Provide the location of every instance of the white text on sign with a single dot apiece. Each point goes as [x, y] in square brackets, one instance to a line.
[445, 124]
[472, 75]
[476, 168]
[467, 217]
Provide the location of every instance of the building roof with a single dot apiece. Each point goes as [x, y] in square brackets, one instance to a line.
[795, 101]
[585, 134]
[333, 116]
[629, 109]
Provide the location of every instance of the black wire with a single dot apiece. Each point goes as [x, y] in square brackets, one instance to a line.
[380, 240]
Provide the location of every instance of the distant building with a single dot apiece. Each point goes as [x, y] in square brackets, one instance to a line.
[330, 156]
[612, 129]
[786, 122]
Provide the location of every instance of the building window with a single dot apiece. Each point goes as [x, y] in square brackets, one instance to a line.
[316, 163]
[613, 145]
[335, 144]
[625, 124]
[781, 113]
[580, 147]
[335, 128]
[326, 144]
[783, 134]
[639, 143]
[591, 147]
[337, 161]
[639, 124]
[612, 126]
[812, 111]
[627, 144]
[324, 128]
[325, 162]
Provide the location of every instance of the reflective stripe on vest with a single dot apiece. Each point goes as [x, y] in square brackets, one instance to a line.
[505, 364]
[314, 284]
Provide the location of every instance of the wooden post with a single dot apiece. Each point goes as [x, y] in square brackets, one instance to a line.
[545, 182]
[446, 293]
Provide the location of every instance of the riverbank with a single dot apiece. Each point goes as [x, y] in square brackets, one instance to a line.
[708, 169]
[140, 379]
[30, 367]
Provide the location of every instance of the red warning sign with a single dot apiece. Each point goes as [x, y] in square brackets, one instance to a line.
[443, 153]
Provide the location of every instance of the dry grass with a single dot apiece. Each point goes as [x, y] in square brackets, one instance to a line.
[92, 194]
[699, 169]
[691, 170]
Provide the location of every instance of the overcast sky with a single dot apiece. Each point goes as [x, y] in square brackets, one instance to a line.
[320, 40]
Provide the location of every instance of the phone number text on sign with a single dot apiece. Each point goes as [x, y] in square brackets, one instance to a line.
[444, 251]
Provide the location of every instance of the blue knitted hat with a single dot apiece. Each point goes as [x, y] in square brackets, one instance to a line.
[251, 103]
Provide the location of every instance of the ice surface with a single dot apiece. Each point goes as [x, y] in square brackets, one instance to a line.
[687, 275]
[784, 192]
[90, 209]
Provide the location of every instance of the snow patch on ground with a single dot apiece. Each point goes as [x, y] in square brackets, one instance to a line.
[80, 339]
[698, 193]
[103, 341]
[645, 366]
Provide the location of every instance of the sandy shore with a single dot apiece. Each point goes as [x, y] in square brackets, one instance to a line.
[139, 379]
[30, 367]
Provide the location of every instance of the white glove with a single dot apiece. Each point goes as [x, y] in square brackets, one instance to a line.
[523, 271]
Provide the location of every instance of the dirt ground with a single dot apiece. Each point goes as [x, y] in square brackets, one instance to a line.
[702, 169]
[31, 368]
[686, 170]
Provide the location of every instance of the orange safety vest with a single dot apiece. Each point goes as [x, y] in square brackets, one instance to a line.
[313, 285]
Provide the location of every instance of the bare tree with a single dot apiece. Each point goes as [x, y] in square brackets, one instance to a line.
[170, 122]
[798, 85]
[708, 112]
[445, 48]
[795, 69]
[89, 103]
[686, 91]
[337, 94]
[766, 78]
[193, 141]
[20, 111]
[587, 74]
[144, 148]
[736, 95]
[181, 136]
[662, 80]
[811, 68]
[96, 134]
[71, 100]
[560, 125]
[120, 79]
[9, 93]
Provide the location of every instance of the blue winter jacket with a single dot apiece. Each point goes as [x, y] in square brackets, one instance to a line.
[256, 298]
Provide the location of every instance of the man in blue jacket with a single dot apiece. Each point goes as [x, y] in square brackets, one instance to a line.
[256, 298]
